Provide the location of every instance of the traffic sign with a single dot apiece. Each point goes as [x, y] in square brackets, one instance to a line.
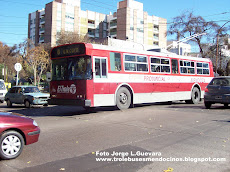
[18, 67]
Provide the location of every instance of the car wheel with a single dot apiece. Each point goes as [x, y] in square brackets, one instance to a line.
[12, 144]
[123, 98]
[8, 103]
[195, 95]
[27, 104]
[207, 105]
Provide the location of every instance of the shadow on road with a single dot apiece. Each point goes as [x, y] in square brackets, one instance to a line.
[40, 111]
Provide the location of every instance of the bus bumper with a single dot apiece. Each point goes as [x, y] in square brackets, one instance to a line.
[70, 102]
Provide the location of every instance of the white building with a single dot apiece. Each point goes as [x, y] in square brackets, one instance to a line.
[183, 49]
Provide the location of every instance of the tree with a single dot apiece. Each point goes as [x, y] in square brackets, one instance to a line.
[24, 54]
[39, 61]
[65, 37]
[228, 68]
[35, 59]
[188, 24]
[7, 58]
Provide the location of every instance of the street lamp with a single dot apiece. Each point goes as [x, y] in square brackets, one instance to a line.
[217, 44]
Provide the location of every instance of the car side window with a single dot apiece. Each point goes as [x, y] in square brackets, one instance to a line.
[17, 90]
[12, 90]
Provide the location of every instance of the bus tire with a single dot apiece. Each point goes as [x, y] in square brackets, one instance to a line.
[123, 98]
[195, 95]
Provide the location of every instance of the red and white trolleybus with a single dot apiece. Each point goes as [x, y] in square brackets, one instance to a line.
[91, 75]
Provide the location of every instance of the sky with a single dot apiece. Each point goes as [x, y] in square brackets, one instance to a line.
[14, 13]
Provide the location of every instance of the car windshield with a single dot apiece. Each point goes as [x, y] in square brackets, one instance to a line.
[31, 90]
[221, 81]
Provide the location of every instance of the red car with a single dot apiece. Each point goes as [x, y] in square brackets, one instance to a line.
[16, 131]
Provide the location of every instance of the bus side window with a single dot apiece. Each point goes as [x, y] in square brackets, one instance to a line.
[174, 63]
[115, 61]
[100, 68]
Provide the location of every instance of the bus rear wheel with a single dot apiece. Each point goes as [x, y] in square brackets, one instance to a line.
[123, 98]
[195, 96]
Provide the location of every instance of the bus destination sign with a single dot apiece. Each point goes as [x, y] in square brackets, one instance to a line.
[68, 50]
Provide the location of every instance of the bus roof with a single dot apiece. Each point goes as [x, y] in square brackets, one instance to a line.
[144, 52]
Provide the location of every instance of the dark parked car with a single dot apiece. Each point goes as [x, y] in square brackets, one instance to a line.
[27, 95]
[217, 91]
[15, 132]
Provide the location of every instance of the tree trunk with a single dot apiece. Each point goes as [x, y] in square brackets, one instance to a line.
[35, 76]
[201, 49]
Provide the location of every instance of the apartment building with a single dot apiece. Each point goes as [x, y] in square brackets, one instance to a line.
[129, 23]
[64, 15]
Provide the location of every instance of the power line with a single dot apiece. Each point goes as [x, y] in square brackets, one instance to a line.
[99, 2]
[81, 2]
[217, 14]
[22, 3]
[109, 28]
[8, 33]
[2, 15]
[90, 4]
[168, 23]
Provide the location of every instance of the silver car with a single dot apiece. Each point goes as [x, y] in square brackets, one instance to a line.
[217, 91]
[28, 95]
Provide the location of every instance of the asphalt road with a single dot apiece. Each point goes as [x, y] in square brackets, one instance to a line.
[152, 138]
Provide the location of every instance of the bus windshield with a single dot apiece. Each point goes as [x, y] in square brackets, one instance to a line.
[72, 68]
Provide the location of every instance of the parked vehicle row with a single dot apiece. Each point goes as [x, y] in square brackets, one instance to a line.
[217, 91]
[17, 130]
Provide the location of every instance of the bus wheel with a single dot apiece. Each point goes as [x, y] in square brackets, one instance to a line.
[195, 95]
[123, 98]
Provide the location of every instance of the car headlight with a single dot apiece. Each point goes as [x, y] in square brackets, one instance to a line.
[35, 123]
